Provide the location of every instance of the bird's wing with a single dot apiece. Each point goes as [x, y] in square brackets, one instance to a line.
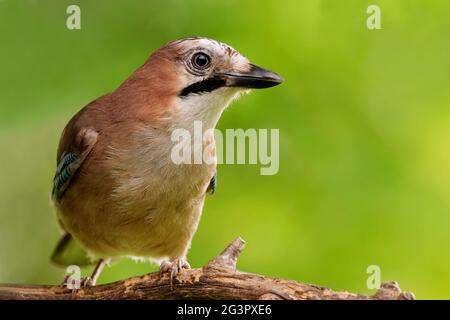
[69, 252]
[212, 184]
[71, 158]
[74, 147]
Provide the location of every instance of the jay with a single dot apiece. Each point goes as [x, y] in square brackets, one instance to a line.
[116, 191]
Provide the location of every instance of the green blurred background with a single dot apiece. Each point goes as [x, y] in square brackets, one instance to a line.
[364, 119]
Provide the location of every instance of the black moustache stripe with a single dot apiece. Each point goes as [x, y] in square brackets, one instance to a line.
[203, 86]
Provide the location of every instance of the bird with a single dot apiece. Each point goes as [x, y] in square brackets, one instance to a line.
[116, 191]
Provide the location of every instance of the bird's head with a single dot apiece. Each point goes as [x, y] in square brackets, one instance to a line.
[199, 77]
[206, 65]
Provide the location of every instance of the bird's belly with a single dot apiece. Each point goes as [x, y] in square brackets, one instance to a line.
[137, 205]
[156, 221]
[158, 232]
[164, 230]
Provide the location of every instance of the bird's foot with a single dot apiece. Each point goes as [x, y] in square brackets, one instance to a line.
[87, 282]
[70, 282]
[173, 268]
[75, 285]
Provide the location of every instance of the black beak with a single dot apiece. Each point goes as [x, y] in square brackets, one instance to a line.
[255, 78]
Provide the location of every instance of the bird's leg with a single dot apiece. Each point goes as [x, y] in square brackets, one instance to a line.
[86, 281]
[92, 280]
[172, 268]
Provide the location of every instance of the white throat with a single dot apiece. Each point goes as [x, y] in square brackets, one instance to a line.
[207, 107]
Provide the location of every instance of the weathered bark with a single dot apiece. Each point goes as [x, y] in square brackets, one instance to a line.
[219, 279]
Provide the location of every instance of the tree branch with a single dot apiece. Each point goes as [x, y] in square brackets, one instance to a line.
[219, 279]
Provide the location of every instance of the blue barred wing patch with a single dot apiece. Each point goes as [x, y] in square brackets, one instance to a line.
[67, 166]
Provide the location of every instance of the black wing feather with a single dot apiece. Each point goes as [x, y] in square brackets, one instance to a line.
[213, 184]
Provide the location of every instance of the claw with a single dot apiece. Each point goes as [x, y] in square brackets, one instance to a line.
[65, 281]
[173, 268]
[83, 283]
[87, 282]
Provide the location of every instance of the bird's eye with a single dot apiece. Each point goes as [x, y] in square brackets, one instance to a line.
[201, 60]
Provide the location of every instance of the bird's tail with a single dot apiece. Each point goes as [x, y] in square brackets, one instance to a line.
[69, 252]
